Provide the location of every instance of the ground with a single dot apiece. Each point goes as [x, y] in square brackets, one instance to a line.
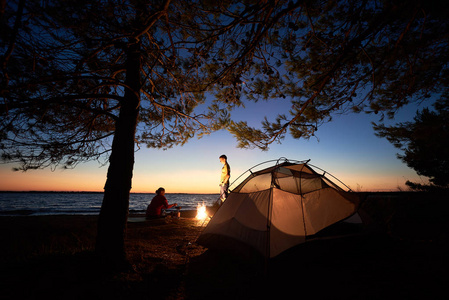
[52, 257]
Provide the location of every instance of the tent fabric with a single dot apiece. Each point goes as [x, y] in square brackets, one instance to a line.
[276, 208]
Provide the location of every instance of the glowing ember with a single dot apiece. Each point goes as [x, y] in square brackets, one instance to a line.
[201, 212]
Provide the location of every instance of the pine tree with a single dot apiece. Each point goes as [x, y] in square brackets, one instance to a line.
[83, 80]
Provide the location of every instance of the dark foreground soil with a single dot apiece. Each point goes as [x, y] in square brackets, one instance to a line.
[52, 257]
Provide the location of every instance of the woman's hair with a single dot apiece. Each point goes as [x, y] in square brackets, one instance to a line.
[159, 190]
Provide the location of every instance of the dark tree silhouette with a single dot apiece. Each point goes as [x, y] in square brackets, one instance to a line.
[424, 145]
[87, 80]
[84, 80]
[349, 56]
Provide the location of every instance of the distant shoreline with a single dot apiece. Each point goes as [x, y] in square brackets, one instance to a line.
[61, 192]
[360, 193]
[91, 192]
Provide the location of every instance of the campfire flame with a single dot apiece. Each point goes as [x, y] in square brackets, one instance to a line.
[201, 212]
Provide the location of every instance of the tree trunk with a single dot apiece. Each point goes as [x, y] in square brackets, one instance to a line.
[110, 244]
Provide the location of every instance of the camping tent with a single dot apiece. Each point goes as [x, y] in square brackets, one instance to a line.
[276, 208]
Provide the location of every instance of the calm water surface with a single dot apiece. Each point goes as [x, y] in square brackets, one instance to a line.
[85, 203]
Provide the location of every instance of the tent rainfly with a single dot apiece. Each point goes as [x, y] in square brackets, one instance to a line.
[276, 208]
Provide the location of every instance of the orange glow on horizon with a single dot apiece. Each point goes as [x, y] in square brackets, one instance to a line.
[92, 179]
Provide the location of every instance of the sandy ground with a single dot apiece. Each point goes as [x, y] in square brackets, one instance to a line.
[52, 257]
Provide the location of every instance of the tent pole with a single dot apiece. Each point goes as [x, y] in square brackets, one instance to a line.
[301, 195]
[267, 250]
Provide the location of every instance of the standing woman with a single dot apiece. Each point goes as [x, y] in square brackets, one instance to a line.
[159, 202]
[224, 178]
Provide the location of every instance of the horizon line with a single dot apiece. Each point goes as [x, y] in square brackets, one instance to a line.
[94, 192]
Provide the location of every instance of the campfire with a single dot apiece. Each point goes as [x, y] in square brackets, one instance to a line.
[201, 212]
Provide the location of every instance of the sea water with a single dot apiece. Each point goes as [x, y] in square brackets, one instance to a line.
[86, 203]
